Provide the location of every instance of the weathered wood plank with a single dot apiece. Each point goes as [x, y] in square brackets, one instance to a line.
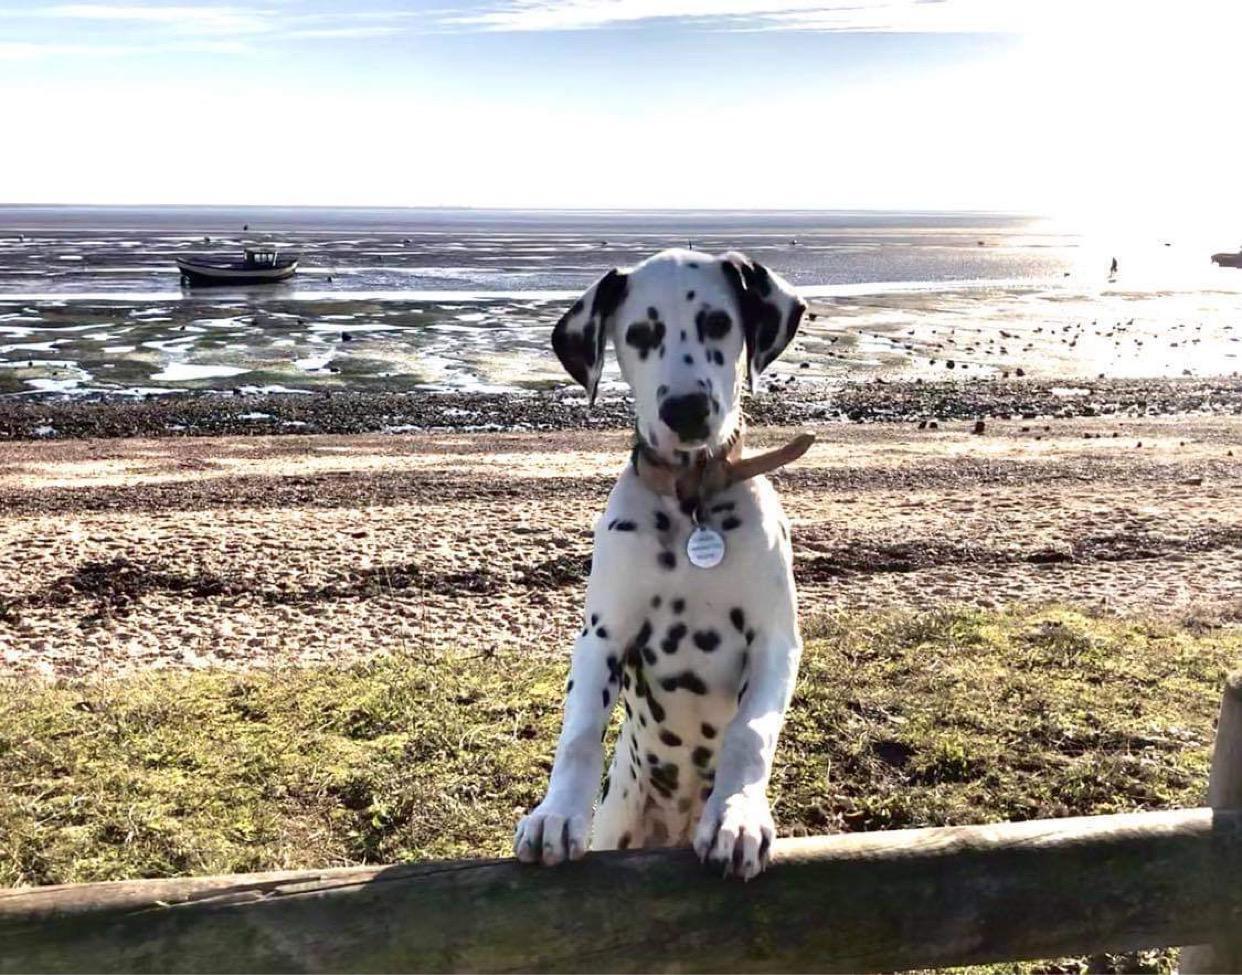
[1224, 955]
[864, 902]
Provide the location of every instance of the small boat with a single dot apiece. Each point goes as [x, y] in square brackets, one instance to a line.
[262, 265]
[1228, 260]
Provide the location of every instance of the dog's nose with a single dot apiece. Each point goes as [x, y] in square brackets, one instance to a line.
[686, 416]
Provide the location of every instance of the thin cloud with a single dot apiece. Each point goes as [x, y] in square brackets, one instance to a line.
[187, 19]
[144, 29]
[857, 16]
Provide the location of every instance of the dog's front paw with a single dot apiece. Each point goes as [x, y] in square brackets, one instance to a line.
[551, 833]
[735, 833]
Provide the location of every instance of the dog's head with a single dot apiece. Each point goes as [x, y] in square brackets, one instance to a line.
[688, 329]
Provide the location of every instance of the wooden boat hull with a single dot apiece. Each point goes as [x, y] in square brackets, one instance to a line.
[1227, 260]
[199, 273]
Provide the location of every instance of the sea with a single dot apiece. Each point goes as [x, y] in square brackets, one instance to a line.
[91, 302]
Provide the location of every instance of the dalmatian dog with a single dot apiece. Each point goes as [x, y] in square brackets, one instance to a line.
[702, 653]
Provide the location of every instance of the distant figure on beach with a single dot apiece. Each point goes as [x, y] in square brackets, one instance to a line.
[1113, 267]
[245, 226]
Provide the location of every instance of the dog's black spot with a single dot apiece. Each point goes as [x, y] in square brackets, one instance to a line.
[601, 632]
[709, 731]
[745, 661]
[723, 506]
[642, 719]
[645, 336]
[586, 630]
[678, 605]
[742, 692]
[738, 619]
[655, 602]
[669, 738]
[653, 758]
[731, 523]
[693, 264]
[687, 680]
[701, 756]
[688, 359]
[668, 560]
[784, 531]
[750, 637]
[653, 314]
[607, 697]
[594, 618]
[625, 680]
[649, 655]
[688, 506]
[569, 687]
[705, 793]
[633, 773]
[706, 640]
[614, 668]
[672, 640]
[661, 391]
[683, 335]
[629, 711]
[689, 296]
[644, 634]
[623, 526]
[717, 356]
[664, 778]
[661, 522]
[624, 842]
[607, 785]
[658, 713]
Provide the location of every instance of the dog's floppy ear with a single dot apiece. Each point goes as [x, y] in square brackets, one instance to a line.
[580, 336]
[770, 310]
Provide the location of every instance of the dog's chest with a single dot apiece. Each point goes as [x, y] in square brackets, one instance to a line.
[688, 636]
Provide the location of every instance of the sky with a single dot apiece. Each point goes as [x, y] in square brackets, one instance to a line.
[1104, 110]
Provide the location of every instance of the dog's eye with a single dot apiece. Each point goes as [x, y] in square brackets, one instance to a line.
[713, 324]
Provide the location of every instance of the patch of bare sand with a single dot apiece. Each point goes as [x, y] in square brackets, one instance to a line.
[116, 555]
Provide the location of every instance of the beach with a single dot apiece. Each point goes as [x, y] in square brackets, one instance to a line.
[383, 455]
[129, 553]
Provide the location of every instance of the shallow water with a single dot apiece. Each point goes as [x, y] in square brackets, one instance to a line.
[90, 299]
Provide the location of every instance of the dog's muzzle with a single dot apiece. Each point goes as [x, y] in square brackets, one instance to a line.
[687, 416]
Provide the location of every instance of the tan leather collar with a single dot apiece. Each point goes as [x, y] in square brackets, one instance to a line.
[712, 471]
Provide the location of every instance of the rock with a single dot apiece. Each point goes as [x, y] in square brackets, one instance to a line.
[979, 427]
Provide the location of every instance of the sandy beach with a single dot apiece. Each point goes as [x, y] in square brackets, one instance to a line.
[122, 554]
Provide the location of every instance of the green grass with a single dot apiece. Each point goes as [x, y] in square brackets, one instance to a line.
[957, 716]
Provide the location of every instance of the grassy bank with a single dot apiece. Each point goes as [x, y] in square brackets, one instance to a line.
[954, 717]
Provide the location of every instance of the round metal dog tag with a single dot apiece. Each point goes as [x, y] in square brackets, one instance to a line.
[705, 548]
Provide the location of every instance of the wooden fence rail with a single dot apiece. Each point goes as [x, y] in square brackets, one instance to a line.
[863, 902]
[853, 903]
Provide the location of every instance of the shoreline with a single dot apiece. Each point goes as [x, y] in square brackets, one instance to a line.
[213, 413]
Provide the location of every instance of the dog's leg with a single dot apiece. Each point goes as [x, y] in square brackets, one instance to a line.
[736, 827]
[560, 825]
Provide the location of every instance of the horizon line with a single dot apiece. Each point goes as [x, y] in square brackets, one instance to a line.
[512, 209]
